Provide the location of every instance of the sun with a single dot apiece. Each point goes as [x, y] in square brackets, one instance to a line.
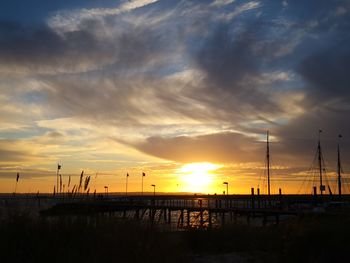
[197, 177]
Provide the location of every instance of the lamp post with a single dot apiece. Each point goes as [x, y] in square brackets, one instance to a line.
[106, 191]
[126, 185]
[226, 187]
[154, 189]
[143, 175]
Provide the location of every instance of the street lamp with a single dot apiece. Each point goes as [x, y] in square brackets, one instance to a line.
[106, 190]
[143, 175]
[226, 187]
[126, 187]
[154, 189]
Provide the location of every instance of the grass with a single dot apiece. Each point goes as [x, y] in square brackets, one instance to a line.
[317, 238]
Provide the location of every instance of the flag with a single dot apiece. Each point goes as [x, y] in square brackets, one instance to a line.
[17, 178]
[58, 166]
[143, 174]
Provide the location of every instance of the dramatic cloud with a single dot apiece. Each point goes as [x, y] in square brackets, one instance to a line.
[178, 81]
[221, 148]
[72, 20]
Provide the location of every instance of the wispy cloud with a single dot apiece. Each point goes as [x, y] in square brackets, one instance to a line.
[168, 81]
[240, 10]
[64, 21]
[219, 3]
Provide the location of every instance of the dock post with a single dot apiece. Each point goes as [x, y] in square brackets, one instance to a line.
[209, 219]
[164, 211]
[169, 216]
[182, 216]
[201, 218]
[315, 195]
[253, 201]
[280, 197]
[188, 217]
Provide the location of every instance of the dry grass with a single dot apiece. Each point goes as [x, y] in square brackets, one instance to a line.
[308, 239]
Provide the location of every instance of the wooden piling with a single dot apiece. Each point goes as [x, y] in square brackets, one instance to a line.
[315, 195]
[201, 218]
[252, 201]
[280, 198]
[188, 217]
[182, 216]
[209, 220]
[169, 216]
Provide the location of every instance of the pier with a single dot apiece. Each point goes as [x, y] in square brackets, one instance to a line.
[199, 211]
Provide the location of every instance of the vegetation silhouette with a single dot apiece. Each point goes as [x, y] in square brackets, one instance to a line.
[313, 238]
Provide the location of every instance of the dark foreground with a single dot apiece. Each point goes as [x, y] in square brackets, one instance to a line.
[312, 238]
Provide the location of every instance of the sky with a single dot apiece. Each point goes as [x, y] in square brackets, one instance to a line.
[183, 91]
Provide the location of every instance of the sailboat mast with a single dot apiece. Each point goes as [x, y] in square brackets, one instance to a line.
[339, 168]
[320, 160]
[268, 162]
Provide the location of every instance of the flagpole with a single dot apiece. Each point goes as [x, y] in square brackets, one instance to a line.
[57, 183]
[17, 178]
[60, 175]
[143, 175]
[58, 165]
[126, 187]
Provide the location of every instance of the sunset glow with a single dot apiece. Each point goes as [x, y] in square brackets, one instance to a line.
[198, 177]
[173, 89]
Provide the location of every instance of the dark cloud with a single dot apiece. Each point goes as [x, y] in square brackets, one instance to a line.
[327, 71]
[15, 156]
[326, 85]
[121, 73]
[222, 147]
[38, 46]
[298, 139]
[227, 58]
[11, 152]
[40, 49]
